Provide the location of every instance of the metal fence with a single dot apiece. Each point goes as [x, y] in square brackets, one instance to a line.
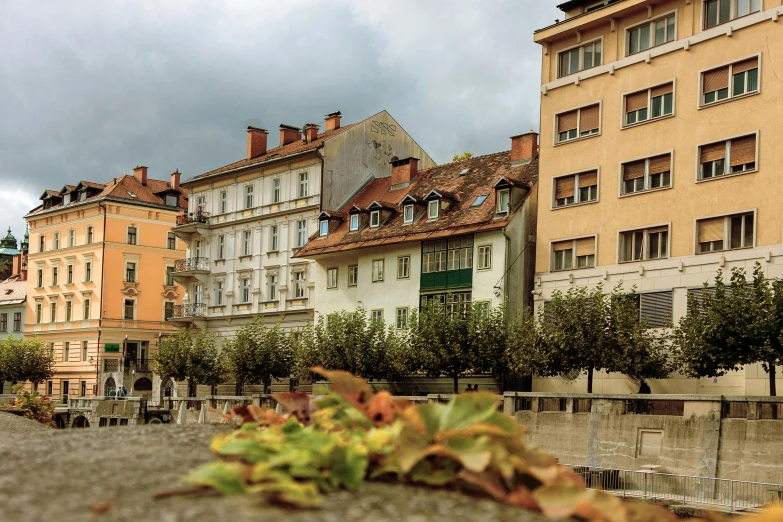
[733, 495]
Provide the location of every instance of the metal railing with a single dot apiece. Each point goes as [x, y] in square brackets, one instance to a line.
[654, 407]
[190, 310]
[111, 365]
[734, 495]
[144, 365]
[187, 218]
[191, 264]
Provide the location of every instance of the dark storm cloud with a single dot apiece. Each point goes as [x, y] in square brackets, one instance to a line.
[90, 89]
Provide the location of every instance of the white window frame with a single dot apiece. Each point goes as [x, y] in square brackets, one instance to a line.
[56, 241]
[221, 246]
[499, 199]
[331, 278]
[577, 195]
[86, 309]
[484, 254]
[135, 308]
[650, 118]
[224, 201]
[137, 239]
[732, 14]
[248, 193]
[376, 315]
[354, 222]
[302, 191]
[353, 275]
[700, 104]
[218, 293]
[727, 158]
[647, 188]
[89, 235]
[377, 276]
[301, 233]
[574, 261]
[433, 204]
[275, 190]
[135, 271]
[300, 284]
[68, 310]
[87, 271]
[403, 267]
[404, 316]
[247, 243]
[407, 214]
[55, 276]
[69, 274]
[581, 46]
[271, 287]
[71, 237]
[375, 217]
[645, 243]
[556, 133]
[651, 23]
[245, 294]
[274, 238]
[726, 230]
[323, 228]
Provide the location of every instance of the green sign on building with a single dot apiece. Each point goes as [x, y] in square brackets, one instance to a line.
[110, 347]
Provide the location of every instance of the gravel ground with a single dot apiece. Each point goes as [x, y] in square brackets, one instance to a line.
[16, 424]
[50, 474]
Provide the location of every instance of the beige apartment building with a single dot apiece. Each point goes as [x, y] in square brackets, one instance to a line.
[660, 132]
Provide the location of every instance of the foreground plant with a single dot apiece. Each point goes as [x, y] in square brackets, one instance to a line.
[34, 405]
[352, 435]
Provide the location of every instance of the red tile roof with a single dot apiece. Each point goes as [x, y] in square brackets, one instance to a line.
[460, 217]
[12, 290]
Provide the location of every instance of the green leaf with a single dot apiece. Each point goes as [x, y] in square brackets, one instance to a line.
[290, 492]
[226, 477]
[468, 408]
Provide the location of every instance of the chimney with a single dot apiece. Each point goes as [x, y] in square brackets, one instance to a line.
[524, 147]
[256, 142]
[140, 173]
[289, 134]
[332, 120]
[311, 132]
[403, 171]
[175, 179]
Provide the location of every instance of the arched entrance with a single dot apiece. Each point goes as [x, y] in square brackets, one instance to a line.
[166, 391]
[80, 422]
[143, 387]
[60, 421]
[110, 387]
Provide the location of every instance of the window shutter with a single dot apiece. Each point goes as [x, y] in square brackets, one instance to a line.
[588, 119]
[711, 230]
[562, 245]
[564, 187]
[660, 164]
[743, 150]
[566, 121]
[636, 101]
[715, 80]
[747, 65]
[588, 179]
[633, 170]
[657, 306]
[657, 229]
[713, 151]
[585, 246]
[661, 90]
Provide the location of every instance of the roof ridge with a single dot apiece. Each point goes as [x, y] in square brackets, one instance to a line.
[474, 158]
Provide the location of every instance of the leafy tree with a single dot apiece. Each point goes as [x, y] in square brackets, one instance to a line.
[257, 354]
[192, 357]
[733, 326]
[462, 157]
[526, 352]
[25, 360]
[488, 332]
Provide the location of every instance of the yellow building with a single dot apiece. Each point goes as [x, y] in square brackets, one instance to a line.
[99, 281]
[660, 132]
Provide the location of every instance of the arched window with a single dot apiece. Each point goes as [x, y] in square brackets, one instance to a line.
[167, 389]
[110, 387]
[143, 384]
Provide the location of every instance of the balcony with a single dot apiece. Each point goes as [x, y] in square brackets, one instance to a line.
[144, 365]
[185, 270]
[193, 218]
[191, 223]
[188, 313]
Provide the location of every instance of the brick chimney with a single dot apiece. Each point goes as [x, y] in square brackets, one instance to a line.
[404, 170]
[311, 132]
[524, 147]
[256, 141]
[289, 134]
[140, 173]
[175, 179]
[332, 120]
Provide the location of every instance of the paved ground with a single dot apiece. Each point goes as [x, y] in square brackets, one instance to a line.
[53, 475]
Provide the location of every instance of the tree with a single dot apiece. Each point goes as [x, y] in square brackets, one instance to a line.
[488, 332]
[462, 157]
[192, 357]
[257, 354]
[25, 360]
[730, 327]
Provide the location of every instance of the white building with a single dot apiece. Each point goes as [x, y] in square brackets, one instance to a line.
[13, 294]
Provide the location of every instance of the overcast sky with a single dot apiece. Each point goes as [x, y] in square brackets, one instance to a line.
[91, 88]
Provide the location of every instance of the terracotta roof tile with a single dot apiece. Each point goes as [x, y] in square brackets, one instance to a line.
[12, 289]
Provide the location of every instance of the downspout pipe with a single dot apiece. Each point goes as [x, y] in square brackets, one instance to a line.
[100, 304]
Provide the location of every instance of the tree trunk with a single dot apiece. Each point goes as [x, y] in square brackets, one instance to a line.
[456, 384]
[590, 379]
[772, 385]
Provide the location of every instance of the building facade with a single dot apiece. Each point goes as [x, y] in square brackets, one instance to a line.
[8, 252]
[659, 130]
[454, 234]
[247, 220]
[99, 283]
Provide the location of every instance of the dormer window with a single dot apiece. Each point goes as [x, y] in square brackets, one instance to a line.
[502, 201]
[324, 230]
[354, 222]
[407, 214]
[66, 199]
[432, 209]
[375, 219]
[83, 195]
[171, 200]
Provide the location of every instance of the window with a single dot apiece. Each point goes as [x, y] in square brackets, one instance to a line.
[54, 276]
[479, 200]
[271, 283]
[649, 104]
[171, 241]
[85, 345]
[301, 233]
[354, 222]
[275, 239]
[49, 387]
[248, 196]
[573, 253]
[645, 244]
[598, 5]
[579, 58]
[484, 257]
[132, 235]
[41, 243]
[169, 281]
[39, 282]
[52, 312]
[299, 285]
[247, 243]
[303, 184]
[718, 12]
[129, 307]
[502, 201]
[221, 246]
[130, 272]
[168, 310]
[66, 351]
[69, 275]
[83, 388]
[407, 214]
[403, 267]
[650, 34]
[578, 123]
[324, 230]
[576, 188]
[223, 201]
[219, 293]
[87, 271]
[377, 270]
[89, 235]
[3, 323]
[460, 253]
[377, 316]
[201, 203]
[71, 237]
[727, 157]
[451, 302]
[730, 81]
[433, 257]
[68, 311]
[38, 313]
[725, 233]
[331, 278]
[244, 292]
[375, 218]
[353, 275]
[401, 318]
[86, 309]
[432, 209]
[172, 200]
[276, 190]
[17, 321]
[56, 241]
[647, 174]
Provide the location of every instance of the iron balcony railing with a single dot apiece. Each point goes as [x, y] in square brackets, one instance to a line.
[191, 264]
[144, 365]
[190, 310]
[188, 218]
